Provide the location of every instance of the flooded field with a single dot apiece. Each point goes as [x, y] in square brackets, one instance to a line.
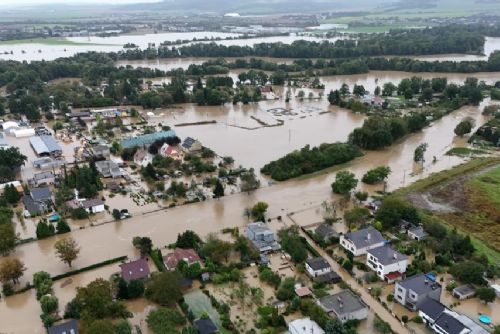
[31, 51]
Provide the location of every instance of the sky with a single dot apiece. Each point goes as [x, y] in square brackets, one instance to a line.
[10, 3]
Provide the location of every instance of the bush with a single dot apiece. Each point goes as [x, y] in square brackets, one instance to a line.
[49, 304]
[79, 213]
[7, 289]
[376, 175]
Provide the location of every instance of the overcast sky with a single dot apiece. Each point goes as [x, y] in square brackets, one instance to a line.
[11, 3]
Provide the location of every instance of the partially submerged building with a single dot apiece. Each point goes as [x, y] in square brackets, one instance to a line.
[262, 237]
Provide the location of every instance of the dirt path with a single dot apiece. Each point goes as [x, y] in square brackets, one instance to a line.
[365, 296]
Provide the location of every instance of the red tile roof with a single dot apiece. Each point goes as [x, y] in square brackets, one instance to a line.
[303, 291]
[172, 259]
[134, 270]
[394, 275]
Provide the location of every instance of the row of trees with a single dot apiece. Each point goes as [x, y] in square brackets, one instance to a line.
[436, 40]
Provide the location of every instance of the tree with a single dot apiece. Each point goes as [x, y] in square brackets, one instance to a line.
[419, 153]
[116, 214]
[219, 189]
[7, 238]
[143, 244]
[11, 194]
[164, 320]
[62, 227]
[468, 272]
[216, 249]
[344, 182]
[188, 239]
[44, 229]
[393, 210]
[344, 89]
[464, 127]
[49, 304]
[334, 97]
[96, 301]
[249, 180]
[293, 244]
[101, 327]
[11, 269]
[381, 326]
[361, 196]
[164, 288]
[376, 175]
[357, 215]
[487, 295]
[259, 210]
[286, 291]
[67, 250]
[123, 327]
[377, 91]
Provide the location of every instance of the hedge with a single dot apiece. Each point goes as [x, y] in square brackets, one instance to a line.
[91, 267]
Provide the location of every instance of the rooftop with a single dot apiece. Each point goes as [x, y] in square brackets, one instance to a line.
[317, 263]
[342, 302]
[179, 254]
[365, 237]
[386, 255]
[89, 203]
[420, 284]
[450, 324]
[303, 291]
[325, 231]
[418, 231]
[205, 326]
[432, 308]
[134, 270]
[305, 326]
[146, 139]
[464, 290]
[40, 193]
[68, 327]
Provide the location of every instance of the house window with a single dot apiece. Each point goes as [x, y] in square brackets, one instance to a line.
[380, 266]
[400, 290]
[413, 296]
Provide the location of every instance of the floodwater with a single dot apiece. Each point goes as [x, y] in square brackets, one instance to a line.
[38, 51]
[251, 148]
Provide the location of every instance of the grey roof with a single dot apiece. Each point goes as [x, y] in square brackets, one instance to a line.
[342, 302]
[205, 326]
[318, 263]
[45, 145]
[386, 255]
[89, 203]
[365, 237]
[68, 327]
[420, 284]
[325, 231]
[465, 290]
[43, 175]
[188, 142]
[450, 324]
[30, 205]
[432, 308]
[108, 168]
[41, 194]
[418, 231]
[259, 227]
[146, 139]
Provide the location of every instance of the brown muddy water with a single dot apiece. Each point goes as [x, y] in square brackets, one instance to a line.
[251, 148]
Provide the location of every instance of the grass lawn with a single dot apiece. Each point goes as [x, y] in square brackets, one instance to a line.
[46, 41]
[487, 186]
[465, 151]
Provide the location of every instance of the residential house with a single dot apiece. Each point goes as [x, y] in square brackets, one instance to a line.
[43, 178]
[262, 237]
[445, 321]
[93, 205]
[303, 291]
[135, 270]
[326, 232]
[68, 327]
[108, 168]
[169, 151]
[417, 233]
[191, 145]
[180, 254]
[345, 305]
[47, 162]
[143, 158]
[304, 326]
[359, 242]
[412, 291]
[464, 291]
[100, 152]
[317, 266]
[205, 326]
[388, 263]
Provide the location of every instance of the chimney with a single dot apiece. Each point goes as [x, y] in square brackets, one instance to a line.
[368, 236]
[426, 282]
[395, 256]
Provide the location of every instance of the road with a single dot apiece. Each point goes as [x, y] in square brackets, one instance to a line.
[374, 305]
